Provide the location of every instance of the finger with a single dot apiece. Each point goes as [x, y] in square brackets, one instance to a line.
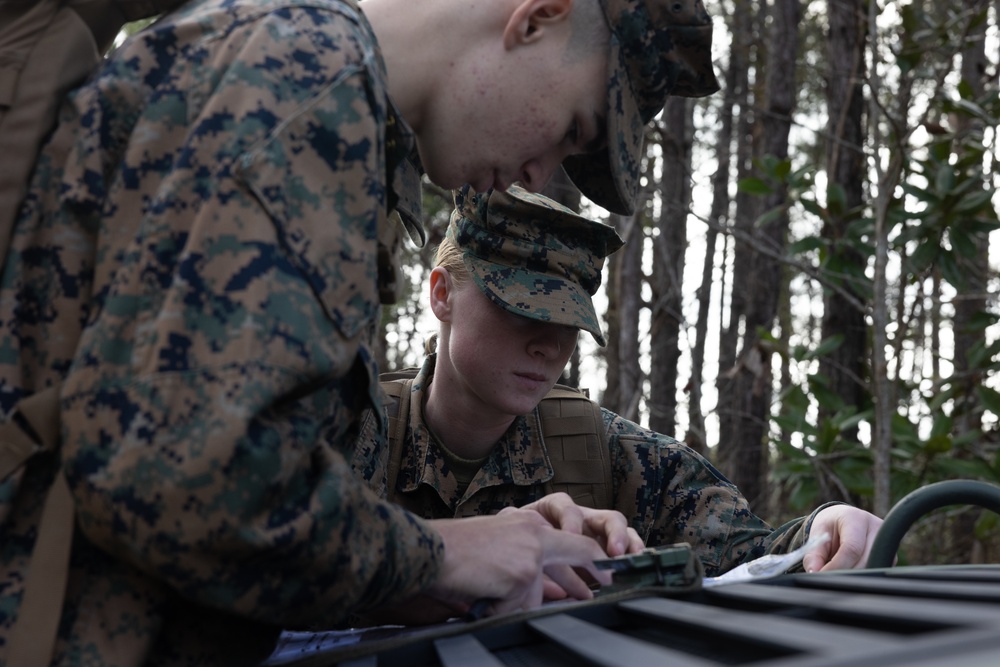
[635, 543]
[563, 513]
[553, 591]
[569, 581]
[814, 560]
[528, 598]
[562, 548]
[852, 549]
[600, 525]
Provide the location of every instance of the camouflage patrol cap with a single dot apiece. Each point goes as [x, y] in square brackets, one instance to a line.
[658, 48]
[532, 256]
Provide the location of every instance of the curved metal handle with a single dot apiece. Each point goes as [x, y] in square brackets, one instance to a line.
[921, 501]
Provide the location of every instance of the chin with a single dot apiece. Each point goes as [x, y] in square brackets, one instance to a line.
[439, 174]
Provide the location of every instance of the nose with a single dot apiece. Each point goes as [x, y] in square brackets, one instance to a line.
[535, 173]
[545, 343]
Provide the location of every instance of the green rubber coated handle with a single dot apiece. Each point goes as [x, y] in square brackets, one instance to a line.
[921, 501]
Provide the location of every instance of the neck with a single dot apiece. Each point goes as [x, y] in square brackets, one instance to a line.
[420, 71]
[410, 65]
[461, 422]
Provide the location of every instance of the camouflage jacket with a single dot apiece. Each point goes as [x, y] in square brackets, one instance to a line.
[667, 491]
[196, 257]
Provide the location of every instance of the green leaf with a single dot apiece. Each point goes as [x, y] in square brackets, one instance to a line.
[924, 255]
[825, 347]
[754, 186]
[782, 169]
[770, 216]
[990, 398]
[950, 467]
[836, 197]
[941, 425]
[974, 201]
[964, 244]
[805, 245]
[851, 421]
[811, 206]
[938, 444]
[944, 179]
[950, 269]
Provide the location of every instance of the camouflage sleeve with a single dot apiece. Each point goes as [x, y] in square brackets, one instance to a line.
[794, 533]
[227, 358]
[672, 494]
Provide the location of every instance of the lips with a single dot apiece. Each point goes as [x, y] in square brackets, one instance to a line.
[534, 377]
[495, 181]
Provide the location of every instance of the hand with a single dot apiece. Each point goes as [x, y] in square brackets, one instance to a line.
[609, 527]
[506, 558]
[851, 531]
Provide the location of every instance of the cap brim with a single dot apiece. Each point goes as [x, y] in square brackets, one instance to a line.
[560, 302]
[610, 178]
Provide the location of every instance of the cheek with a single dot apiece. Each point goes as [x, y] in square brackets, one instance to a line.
[532, 126]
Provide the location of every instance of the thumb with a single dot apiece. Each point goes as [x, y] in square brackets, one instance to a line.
[813, 561]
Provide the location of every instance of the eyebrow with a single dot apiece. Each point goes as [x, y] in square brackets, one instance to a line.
[600, 139]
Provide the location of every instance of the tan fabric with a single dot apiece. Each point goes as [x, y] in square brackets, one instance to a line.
[571, 425]
[44, 51]
[32, 641]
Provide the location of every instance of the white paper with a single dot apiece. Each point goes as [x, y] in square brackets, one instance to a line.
[766, 566]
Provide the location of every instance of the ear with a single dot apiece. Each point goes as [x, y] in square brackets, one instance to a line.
[441, 290]
[530, 18]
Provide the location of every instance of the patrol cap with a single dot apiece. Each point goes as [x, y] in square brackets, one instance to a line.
[658, 48]
[532, 256]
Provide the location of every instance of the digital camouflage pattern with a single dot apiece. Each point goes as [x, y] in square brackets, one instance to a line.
[666, 490]
[532, 256]
[658, 48]
[204, 220]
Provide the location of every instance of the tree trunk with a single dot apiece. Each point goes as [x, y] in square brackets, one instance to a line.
[743, 30]
[971, 302]
[844, 367]
[669, 250]
[630, 286]
[752, 381]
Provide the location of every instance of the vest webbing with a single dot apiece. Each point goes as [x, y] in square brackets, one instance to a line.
[572, 430]
[33, 637]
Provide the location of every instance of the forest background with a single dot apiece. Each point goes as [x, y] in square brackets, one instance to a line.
[807, 295]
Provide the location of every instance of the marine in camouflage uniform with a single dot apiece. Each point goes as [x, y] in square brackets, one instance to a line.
[535, 258]
[195, 261]
[207, 247]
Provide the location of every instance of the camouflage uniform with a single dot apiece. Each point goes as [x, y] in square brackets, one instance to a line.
[197, 256]
[667, 491]
[535, 258]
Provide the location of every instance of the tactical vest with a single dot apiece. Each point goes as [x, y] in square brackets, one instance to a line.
[572, 429]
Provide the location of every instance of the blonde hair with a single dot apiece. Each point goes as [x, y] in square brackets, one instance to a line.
[448, 257]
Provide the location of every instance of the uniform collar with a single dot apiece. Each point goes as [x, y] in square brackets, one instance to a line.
[519, 459]
[404, 162]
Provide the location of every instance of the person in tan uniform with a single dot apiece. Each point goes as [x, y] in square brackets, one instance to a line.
[512, 289]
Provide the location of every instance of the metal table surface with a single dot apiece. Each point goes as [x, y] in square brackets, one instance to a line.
[907, 616]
